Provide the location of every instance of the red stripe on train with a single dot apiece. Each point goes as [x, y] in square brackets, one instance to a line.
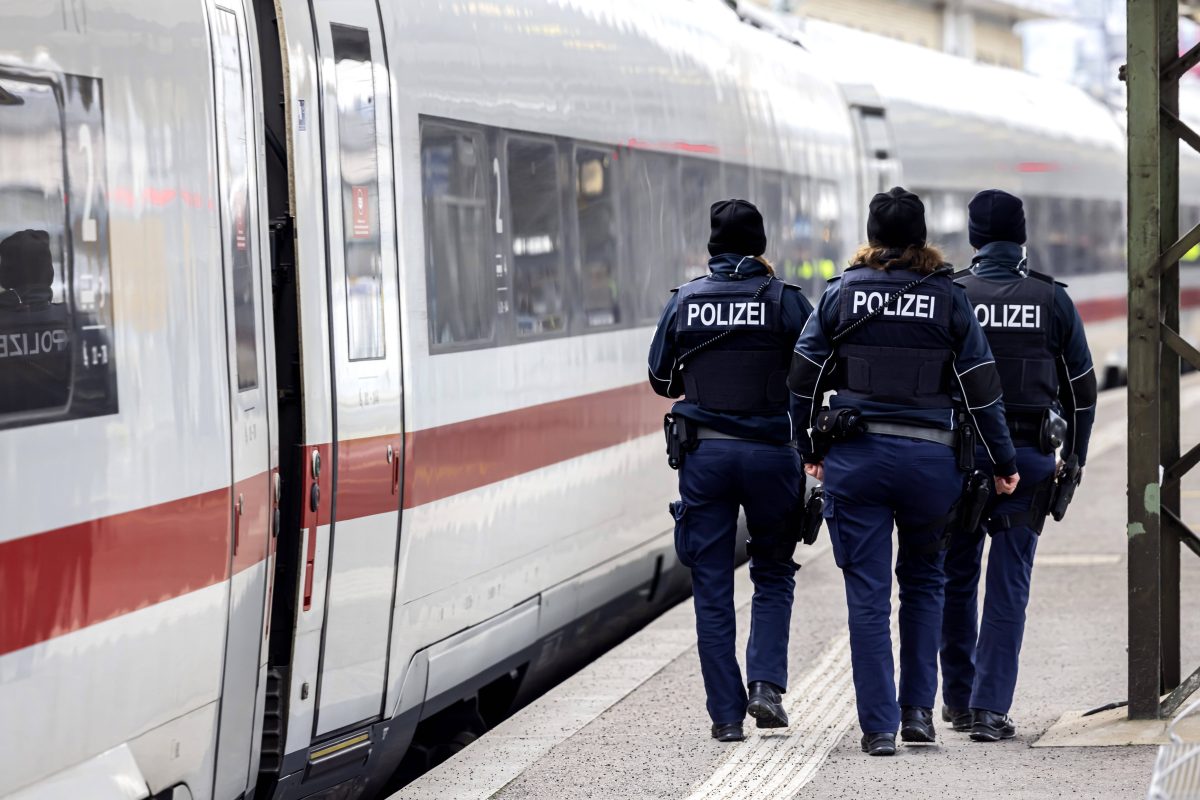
[62, 580]
[451, 459]
[1106, 308]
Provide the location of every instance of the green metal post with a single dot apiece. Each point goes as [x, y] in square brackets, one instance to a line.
[1144, 517]
[1169, 414]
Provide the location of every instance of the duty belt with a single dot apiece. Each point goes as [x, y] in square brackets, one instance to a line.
[708, 433]
[936, 435]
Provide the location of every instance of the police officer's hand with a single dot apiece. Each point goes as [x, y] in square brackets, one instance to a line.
[816, 470]
[1007, 485]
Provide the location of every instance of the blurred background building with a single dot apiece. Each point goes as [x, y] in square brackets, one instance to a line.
[1077, 41]
[983, 30]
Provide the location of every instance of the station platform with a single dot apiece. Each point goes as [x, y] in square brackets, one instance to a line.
[633, 725]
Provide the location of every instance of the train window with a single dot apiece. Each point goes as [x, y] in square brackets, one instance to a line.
[946, 213]
[769, 199]
[1037, 243]
[877, 140]
[652, 228]
[595, 205]
[737, 182]
[793, 252]
[701, 187]
[828, 242]
[57, 359]
[461, 283]
[359, 163]
[1060, 247]
[535, 202]
[235, 161]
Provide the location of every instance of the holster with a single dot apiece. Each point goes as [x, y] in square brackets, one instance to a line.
[811, 516]
[973, 502]
[680, 434]
[1053, 432]
[964, 448]
[1065, 483]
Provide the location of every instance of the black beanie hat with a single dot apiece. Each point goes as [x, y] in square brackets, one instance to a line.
[896, 219]
[737, 228]
[25, 260]
[995, 216]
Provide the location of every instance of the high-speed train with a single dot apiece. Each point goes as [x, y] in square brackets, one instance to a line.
[323, 420]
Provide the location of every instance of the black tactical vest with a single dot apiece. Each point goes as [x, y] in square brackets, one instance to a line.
[35, 359]
[904, 356]
[745, 371]
[1017, 315]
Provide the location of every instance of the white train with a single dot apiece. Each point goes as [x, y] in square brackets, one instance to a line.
[323, 416]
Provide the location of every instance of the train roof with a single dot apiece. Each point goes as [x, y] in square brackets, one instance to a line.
[959, 124]
[624, 71]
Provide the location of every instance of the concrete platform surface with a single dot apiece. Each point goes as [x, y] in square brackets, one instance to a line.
[633, 725]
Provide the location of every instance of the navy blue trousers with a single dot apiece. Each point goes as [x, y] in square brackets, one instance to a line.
[979, 665]
[871, 483]
[716, 479]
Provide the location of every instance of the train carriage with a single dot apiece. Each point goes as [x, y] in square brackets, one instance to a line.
[340, 424]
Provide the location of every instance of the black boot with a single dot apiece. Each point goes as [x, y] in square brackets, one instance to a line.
[916, 724]
[879, 744]
[991, 727]
[766, 705]
[728, 732]
[959, 718]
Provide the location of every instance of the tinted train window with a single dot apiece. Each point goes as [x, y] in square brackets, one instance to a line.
[596, 207]
[829, 230]
[946, 215]
[1057, 236]
[359, 162]
[652, 230]
[793, 252]
[235, 162]
[701, 187]
[534, 206]
[459, 272]
[737, 182]
[56, 347]
[769, 199]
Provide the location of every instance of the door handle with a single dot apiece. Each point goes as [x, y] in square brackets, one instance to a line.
[238, 507]
[394, 459]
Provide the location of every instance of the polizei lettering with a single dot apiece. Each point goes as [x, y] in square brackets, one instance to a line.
[919, 306]
[727, 315]
[1009, 316]
[32, 343]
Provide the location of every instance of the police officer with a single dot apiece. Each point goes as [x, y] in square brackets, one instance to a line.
[899, 343]
[724, 342]
[1046, 370]
[37, 374]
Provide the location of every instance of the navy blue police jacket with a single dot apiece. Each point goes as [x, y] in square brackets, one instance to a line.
[928, 357]
[666, 348]
[1004, 263]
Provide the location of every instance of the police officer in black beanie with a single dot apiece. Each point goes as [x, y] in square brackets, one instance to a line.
[723, 346]
[898, 342]
[1046, 370]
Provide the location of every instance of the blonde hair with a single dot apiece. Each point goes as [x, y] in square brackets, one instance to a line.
[920, 258]
[763, 260]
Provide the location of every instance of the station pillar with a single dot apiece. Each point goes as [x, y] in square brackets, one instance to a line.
[1156, 351]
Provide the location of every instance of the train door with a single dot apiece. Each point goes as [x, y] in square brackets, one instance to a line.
[252, 496]
[364, 345]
